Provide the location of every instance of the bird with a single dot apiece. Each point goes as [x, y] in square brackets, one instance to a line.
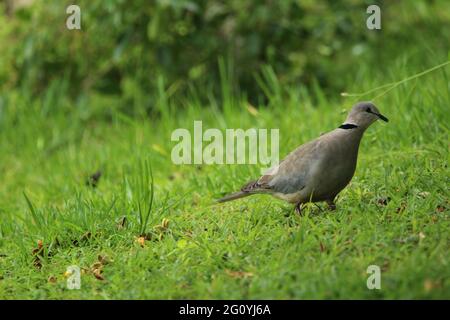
[319, 169]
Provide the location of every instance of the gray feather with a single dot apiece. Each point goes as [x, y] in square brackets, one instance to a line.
[319, 169]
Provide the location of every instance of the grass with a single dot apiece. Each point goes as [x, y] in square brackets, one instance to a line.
[151, 230]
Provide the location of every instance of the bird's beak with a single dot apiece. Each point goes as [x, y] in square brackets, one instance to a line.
[382, 117]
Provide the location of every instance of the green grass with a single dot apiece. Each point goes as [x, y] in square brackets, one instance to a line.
[254, 248]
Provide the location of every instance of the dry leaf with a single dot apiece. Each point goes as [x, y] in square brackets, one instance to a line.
[96, 265]
[98, 274]
[141, 241]
[239, 274]
[36, 252]
[429, 285]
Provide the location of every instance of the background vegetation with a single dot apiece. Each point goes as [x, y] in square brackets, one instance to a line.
[83, 115]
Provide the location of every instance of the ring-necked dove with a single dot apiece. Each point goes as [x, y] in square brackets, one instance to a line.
[317, 170]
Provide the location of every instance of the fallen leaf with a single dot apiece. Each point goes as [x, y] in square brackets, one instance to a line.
[98, 274]
[429, 285]
[96, 265]
[36, 253]
[239, 274]
[52, 279]
[141, 241]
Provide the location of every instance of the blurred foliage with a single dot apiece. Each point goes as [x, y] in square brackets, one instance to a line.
[131, 51]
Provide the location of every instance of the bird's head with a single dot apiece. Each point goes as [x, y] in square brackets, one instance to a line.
[363, 114]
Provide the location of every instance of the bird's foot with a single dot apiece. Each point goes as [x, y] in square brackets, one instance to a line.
[331, 205]
[298, 209]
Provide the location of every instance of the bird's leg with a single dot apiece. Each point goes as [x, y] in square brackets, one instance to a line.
[298, 208]
[331, 205]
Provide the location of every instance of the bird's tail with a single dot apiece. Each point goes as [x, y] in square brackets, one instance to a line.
[234, 196]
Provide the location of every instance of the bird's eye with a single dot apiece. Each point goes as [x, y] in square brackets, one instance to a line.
[368, 110]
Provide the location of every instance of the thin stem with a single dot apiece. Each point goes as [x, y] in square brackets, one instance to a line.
[393, 85]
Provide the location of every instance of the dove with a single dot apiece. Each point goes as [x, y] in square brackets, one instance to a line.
[317, 170]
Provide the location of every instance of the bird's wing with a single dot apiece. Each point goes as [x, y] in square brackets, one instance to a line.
[292, 174]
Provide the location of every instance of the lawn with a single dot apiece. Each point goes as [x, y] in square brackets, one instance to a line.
[394, 214]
